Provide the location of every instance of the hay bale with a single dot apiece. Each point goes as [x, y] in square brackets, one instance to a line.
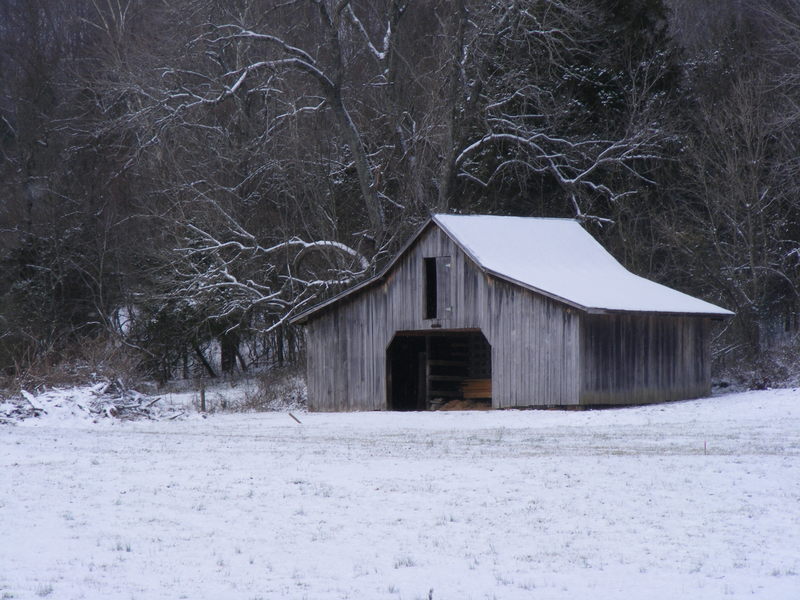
[467, 404]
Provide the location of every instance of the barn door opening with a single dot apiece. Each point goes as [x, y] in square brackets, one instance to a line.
[439, 370]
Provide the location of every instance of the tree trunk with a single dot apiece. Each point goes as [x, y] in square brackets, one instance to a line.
[229, 348]
[204, 362]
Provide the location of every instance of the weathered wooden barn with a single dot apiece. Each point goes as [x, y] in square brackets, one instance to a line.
[522, 312]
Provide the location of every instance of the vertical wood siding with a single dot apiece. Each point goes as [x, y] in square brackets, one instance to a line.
[639, 359]
[535, 341]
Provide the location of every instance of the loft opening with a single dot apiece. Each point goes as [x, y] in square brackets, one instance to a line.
[436, 288]
[430, 288]
[439, 370]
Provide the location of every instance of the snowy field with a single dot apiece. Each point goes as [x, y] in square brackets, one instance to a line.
[695, 500]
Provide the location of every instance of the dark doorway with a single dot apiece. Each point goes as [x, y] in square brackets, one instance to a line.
[432, 370]
[405, 385]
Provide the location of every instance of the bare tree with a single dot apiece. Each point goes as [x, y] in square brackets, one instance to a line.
[737, 227]
[286, 149]
[56, 265]
[511, 115]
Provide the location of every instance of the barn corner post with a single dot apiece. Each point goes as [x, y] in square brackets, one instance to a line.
[309, 356]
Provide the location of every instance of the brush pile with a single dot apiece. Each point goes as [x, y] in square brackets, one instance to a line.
[100, 400]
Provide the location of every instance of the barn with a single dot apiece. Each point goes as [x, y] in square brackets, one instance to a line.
[511, 311]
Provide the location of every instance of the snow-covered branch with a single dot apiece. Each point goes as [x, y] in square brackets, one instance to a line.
[233, 274]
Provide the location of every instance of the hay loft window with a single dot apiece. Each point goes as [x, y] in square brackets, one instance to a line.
[437, 287]
[430, 288]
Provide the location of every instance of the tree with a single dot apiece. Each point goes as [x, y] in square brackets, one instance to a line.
[52, 276]
[531, 129]
[207, 169]
[733, 222]
[282, 162]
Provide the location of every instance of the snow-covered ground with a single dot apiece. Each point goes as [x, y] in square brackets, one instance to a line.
[693, 500]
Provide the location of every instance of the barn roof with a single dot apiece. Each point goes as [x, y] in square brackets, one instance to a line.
[560, 259]
[554, 257]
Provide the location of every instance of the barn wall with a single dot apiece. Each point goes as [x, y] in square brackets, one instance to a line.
[639, 359]
[535, 348]
[535, 341]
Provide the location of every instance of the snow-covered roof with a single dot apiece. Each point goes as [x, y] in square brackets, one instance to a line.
[560, 259]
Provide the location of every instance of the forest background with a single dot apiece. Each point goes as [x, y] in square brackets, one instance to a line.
[178, 179]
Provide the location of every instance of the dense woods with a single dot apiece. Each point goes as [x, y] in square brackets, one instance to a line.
[178, 179]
